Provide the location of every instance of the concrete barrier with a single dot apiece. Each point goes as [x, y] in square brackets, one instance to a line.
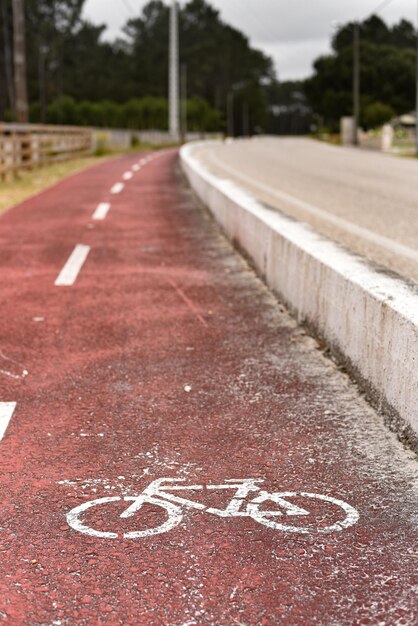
[367, 316]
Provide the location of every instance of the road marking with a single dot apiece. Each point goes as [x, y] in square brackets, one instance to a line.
[339, 222]
[286, 504]
[71, 269]
[127, 176]
[6, 412]
[117, 188]
[136, 168]
[101, 211]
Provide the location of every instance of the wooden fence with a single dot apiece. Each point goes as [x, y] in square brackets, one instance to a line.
[28, 146]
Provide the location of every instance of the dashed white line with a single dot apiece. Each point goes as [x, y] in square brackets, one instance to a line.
[127, 176]
[6, 412]
[101, 211]
[136, 168]
[117, 188]
[71, 269]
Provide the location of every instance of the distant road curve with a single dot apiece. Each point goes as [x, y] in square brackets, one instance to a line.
[365, 200]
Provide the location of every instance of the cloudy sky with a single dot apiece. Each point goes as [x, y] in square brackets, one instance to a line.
[293, 32]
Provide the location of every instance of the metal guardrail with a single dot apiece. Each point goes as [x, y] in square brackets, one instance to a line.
[28, 146]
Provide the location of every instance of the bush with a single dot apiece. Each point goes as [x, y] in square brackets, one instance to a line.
[136, 114]
[201, 117]
[62, 111]
[101, 146]
[377, 114]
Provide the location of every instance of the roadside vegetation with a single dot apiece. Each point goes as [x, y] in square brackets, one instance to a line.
[137, 113]
[76, 76]
[29, 182]
[387, 74]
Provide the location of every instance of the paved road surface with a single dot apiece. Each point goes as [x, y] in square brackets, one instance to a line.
[152, 351]
[365, 200]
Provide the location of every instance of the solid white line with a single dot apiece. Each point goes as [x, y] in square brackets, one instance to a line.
[339, 222]
[6, 412]
[101, 211]
[127, 176]
[71, 269]
[117, 188]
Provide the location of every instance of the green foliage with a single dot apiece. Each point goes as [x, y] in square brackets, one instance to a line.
[377, 114]
[69, 63]
[218, 58]
[101, 146]
[136, 114]
[289, 113]
[387, 73]
[201, 116]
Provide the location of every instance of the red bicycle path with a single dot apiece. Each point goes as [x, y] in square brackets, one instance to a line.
[168, 358]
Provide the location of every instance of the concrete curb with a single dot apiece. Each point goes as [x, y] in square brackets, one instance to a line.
[367, 317]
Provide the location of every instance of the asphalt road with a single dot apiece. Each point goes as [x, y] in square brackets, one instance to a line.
[136, 345]
[365, 200]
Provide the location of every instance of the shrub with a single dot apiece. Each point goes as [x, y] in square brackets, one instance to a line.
[376, 114]
[147, 113]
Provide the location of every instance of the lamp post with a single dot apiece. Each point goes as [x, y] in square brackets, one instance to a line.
[174, 88]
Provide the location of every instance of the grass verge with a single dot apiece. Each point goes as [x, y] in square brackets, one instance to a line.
[28, 183]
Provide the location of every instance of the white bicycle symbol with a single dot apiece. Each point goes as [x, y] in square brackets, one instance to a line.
[159, 493]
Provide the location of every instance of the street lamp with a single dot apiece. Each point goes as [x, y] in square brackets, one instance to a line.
[174, 88]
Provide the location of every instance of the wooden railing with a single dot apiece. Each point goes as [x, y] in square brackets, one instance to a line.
[28, 146]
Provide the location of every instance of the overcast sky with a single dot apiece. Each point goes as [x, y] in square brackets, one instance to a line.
[293, 32]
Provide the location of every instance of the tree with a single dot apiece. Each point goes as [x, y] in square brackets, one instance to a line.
[68, 58]
[387, 72]
[7, 100]
[218, 57]
[50, 26]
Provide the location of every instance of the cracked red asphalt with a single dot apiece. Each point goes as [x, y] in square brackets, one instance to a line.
[168, 358]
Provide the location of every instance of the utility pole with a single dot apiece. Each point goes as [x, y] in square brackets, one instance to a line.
[356, 81]
[174, 91]
[19, 53]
